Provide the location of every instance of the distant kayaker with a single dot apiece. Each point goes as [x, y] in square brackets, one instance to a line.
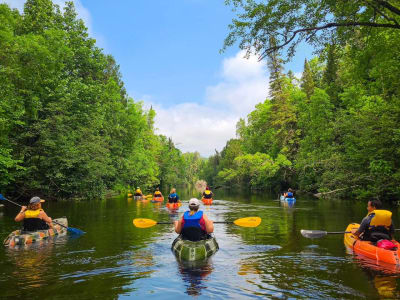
[377, 225]
[173, 196]
[289, 193]
[157, 193]
[194, 224]
[34, 216]
[138, 192]
[207, 194]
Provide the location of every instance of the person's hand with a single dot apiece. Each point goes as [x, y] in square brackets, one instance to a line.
[175, 223]
[23, 209]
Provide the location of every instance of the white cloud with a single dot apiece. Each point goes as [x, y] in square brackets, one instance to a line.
[206, 127]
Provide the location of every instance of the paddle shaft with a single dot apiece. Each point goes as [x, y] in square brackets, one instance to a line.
[218, 222]
[21, 206]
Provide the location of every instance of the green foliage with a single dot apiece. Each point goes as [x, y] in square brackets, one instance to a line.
[67, 126]
[338, 129]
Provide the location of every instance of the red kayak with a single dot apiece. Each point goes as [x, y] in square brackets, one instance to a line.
[207, 201]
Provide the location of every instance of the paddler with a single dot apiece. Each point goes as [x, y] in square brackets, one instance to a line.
[289, 194]
[207, 194]
[377, 225]
[157, 193]
[173, 196]
[34, 216]
[138, 192]
[194, 224]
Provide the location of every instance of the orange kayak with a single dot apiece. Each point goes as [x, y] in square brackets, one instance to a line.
[174, 205]
[369, 250]
[158, 199]
[207, 201]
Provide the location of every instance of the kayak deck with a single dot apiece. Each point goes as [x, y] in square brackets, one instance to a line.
[194, 251]
[207, 201]
[19, 237]
[368, 249]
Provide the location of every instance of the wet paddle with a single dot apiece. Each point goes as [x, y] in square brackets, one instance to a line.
[69, 229]
[243, 222]
[315, 234]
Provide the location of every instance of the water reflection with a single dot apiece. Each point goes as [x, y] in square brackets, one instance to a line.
[194, 274]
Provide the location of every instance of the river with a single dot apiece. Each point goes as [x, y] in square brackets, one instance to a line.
[114, 259]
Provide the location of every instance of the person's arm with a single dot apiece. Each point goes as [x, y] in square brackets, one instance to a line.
[209, 224]
[178, 226]
[46, 218]
[21, 214]
[364, 225]
[177, 198]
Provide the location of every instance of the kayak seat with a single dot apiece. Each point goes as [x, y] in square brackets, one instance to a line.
[193, 234]
[34, 224]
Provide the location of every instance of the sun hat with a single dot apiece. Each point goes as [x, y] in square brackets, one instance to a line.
[35, 200]
[194, 202]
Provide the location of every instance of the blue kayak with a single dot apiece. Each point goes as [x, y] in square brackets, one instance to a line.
[292, 200]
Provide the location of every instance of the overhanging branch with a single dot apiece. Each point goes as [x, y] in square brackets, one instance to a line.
[329, 25]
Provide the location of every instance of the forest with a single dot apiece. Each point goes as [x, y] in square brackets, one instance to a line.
[336, 127]
[68, 129]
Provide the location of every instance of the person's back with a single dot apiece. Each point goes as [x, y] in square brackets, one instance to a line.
[377, 225]
[207, 194]
[34, 218]
[173, 196]
[289, 193]
[194, 224]
[157, 193]
[138, 192]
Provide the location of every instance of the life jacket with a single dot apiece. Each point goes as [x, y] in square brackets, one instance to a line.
[138, 192]
[207, 194]
[157, 193]
[32, 222]
[289, 195]
[379, 226]
[195, 220]
[173, 198]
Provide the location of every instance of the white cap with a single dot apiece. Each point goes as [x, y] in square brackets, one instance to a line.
[194, 202]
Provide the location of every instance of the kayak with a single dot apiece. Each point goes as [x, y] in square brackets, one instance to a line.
[158, 199]
[174, 205]
[367, 249]
[283, 198]
[194, 251]
[19, 237]
[207, 201]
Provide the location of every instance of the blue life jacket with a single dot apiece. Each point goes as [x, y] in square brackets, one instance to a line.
[172, 198]
[192, 220]
[289, 195]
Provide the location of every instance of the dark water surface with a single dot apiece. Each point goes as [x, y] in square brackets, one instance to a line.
[116, 260]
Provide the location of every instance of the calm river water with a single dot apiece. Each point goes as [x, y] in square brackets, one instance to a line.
[115, 260]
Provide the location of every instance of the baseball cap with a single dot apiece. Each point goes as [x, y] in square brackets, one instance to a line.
[194, 202]
[36, 200]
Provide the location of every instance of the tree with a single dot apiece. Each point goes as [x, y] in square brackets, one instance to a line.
[316, 22]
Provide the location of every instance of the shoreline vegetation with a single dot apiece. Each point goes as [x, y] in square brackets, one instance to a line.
[69, 130]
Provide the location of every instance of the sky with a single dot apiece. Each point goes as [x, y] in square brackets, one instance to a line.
[169, 57]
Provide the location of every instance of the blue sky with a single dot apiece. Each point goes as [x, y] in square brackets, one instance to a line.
[168, 52]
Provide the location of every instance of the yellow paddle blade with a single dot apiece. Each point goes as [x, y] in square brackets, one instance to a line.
[248, 222]
[144, 223]
[149, 196]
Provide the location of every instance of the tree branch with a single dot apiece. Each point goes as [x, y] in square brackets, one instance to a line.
[388, 6]
[329, 25]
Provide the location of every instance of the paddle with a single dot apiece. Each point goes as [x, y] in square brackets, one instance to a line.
[69, 229]
[315, 234]
[243, 222]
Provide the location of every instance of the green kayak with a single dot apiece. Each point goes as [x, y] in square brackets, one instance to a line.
[194, 251]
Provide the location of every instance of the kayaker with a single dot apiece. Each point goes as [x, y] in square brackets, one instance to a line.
[194, 224]
[207, 194]
[157, 193]
[377, 225]
[34, 216]
[173, 196]
[138, 192]
[289, 193]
